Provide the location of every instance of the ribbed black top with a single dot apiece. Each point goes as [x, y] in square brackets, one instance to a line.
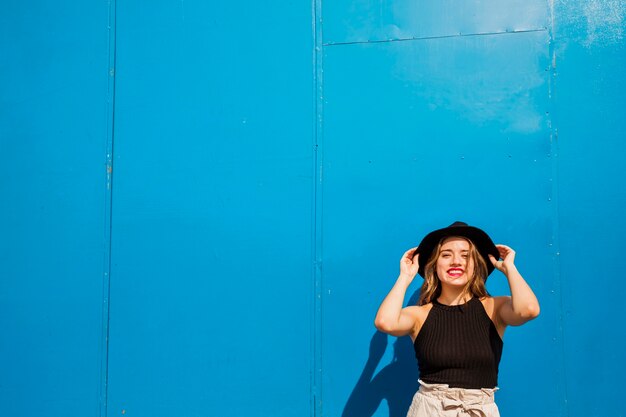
[459, 346]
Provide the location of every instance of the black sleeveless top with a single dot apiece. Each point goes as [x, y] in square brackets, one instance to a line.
[459, 346]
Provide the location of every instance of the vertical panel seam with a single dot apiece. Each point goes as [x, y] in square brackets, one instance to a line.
[316, 374]
[554, 152]
[108, 210]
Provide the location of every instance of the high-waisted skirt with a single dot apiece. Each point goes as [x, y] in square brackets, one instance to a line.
[439, 400]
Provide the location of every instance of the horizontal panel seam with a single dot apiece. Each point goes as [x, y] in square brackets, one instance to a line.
[456, 35]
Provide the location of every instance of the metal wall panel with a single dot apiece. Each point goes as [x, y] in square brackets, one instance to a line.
[508, 115]
[590, 104]
[417, 135]
[53, 136]
[378, 20]
[211, 283]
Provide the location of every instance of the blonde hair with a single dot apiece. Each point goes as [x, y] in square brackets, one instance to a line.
[431, 288]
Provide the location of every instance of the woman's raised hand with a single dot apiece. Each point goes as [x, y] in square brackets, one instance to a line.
[409, 264]
[508, 259]
[391, 318]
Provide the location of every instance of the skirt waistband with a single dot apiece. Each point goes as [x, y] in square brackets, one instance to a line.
[444, 393]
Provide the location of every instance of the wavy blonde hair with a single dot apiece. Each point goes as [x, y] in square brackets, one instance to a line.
[431, 288]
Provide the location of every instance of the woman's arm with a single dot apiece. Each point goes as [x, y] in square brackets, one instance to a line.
[522, 305]
[391, 318]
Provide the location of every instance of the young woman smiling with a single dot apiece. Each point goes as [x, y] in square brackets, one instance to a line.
[457, 327]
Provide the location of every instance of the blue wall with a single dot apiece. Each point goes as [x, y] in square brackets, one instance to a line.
[203, 205]
[54, 129]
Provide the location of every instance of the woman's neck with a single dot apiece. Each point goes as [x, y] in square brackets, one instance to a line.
[453, 297]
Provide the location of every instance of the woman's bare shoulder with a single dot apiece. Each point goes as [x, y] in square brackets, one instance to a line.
[419, 314]
[419, 311]
[492, 304]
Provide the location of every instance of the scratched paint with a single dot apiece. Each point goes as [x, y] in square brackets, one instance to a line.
[376, 20]
[605, 21]
[478, 79]
[592, 23]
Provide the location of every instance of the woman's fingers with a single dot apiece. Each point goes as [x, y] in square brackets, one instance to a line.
[409, 262]
[506, 254]
[410, 254]
[504, 250]
[406, 254]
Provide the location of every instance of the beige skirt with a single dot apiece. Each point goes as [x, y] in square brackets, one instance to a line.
[439, 400]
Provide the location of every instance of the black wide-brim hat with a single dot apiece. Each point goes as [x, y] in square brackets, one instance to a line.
[480, 239]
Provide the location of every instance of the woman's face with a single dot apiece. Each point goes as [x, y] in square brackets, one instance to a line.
[454, 264]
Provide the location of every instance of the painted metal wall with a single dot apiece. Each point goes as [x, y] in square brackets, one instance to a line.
[211, 281]
[428, 121]
[203, 205]
[54, 130]
[590, 103]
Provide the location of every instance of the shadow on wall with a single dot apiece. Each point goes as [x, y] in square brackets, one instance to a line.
[396, 383]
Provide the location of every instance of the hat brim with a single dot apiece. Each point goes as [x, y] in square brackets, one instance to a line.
[479, 238]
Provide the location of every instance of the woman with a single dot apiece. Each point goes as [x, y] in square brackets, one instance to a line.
[457, 327]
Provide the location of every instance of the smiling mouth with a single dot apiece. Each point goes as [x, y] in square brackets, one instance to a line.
[455, 272]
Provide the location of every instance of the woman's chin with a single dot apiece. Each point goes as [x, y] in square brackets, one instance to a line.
[455, 281]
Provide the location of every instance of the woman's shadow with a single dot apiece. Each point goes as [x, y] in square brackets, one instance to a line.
[396, 383]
